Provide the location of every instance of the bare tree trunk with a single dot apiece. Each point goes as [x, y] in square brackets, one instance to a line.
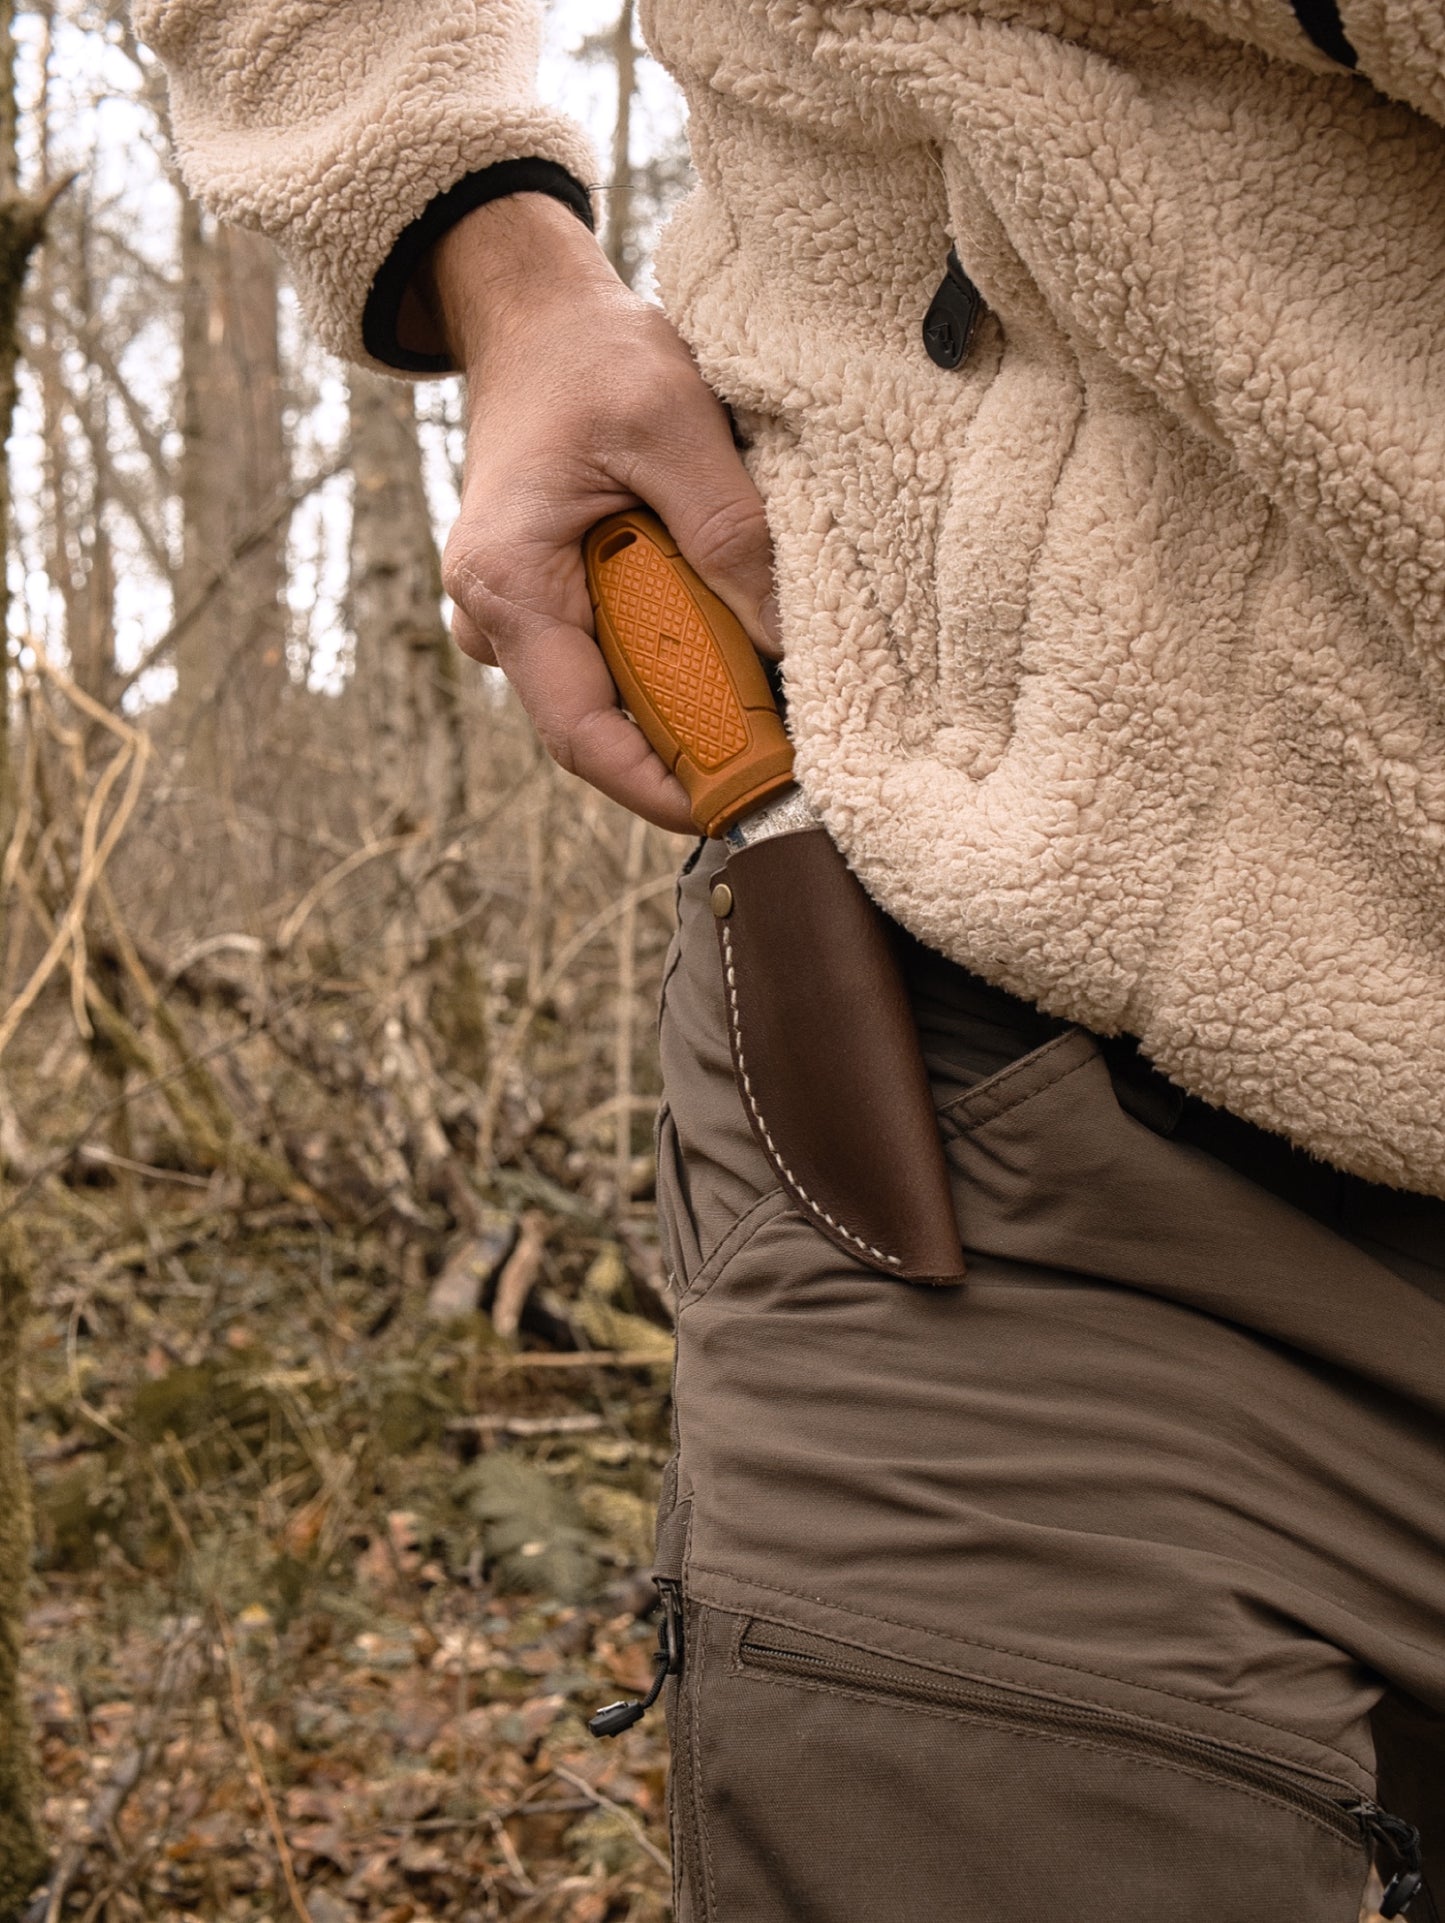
[78, 554]
[79, 557]
[406, 669]
[406, 678]
[22, 223]
[624, 1029]
[90, 605]
[622, 248]
[22, 1856]
[541, 882]
[231, 661]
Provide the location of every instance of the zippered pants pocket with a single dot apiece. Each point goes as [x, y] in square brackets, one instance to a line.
[818, 1782]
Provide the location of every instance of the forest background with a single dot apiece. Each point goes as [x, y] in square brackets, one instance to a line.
[334, 1336]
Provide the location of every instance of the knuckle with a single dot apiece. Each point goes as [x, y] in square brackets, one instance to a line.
[638, 409]
[466, 569]
[654, 394]
[472, 577]
[731, 538]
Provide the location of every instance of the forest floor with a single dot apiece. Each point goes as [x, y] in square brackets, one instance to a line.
[341, 1535]
[328, 1581]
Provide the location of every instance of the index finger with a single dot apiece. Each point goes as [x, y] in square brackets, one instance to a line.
[563, 683]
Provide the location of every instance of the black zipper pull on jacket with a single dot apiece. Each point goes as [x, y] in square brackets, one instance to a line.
[1403, 1840]
[617, 1717]
[952, 316]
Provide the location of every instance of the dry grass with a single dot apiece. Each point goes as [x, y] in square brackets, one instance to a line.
[347, 1362]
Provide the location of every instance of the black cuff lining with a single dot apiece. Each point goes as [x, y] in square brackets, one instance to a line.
[1321, 21]
[394, 276]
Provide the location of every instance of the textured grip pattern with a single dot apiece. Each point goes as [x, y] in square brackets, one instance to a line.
[685, 670]
[674, 654]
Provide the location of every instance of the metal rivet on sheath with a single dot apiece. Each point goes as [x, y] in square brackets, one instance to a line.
[722, 900]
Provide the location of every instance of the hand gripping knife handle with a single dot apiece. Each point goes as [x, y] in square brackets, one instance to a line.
[823, 1039]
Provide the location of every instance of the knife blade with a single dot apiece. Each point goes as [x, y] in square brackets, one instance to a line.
[824, 1045]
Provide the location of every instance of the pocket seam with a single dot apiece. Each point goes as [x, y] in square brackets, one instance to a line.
[674, 1176]
[766, 1209]
[1002, 1649]
[996, 1097]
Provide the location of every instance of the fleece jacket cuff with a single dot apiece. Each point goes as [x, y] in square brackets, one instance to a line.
[382, 311]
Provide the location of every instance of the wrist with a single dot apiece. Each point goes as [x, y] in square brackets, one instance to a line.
[494, 266]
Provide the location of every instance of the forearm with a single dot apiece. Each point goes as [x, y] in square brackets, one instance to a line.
[491, 272]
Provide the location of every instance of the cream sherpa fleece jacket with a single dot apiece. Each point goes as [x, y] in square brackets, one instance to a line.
[1116, 655]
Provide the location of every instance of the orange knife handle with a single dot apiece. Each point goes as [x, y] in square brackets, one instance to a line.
[686, 670]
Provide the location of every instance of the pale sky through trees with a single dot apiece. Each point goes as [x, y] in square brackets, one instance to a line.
[586, 90]
[100, 124]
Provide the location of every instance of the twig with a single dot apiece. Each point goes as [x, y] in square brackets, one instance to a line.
[280, 510]
[97, 848]
[65, 1450]
[257, 1773]
[436, 1825]
[525, 1425]
[196, 1229]
[614, 1808]
[583, 1359]
[458, 1288]
[514, 1284]
[93, 1155]
[210, 945]
[509, 1853]
[291, 927]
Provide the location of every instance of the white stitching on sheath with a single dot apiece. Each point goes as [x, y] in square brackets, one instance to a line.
[894, 1261]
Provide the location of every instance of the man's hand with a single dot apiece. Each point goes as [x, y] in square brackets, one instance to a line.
[581, 400]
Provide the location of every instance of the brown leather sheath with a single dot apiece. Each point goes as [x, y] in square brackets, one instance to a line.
[827, 1056]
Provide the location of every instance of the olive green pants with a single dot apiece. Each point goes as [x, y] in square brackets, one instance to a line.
[1108, 1587]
